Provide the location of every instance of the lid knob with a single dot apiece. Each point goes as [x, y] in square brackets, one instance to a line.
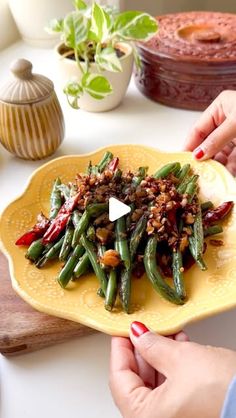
[207, 36]
[22, 69]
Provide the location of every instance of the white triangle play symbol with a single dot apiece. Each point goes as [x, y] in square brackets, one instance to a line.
[117, 209]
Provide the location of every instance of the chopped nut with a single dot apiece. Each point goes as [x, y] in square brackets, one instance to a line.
[189, 218]
[170, 205]
[181, 269]
[103, 234]
[183, 243]
[110, 258]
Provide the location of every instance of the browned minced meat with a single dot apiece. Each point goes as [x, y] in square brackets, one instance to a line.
[156, 197]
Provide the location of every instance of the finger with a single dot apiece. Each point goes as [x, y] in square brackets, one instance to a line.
[145, 371]
[217, 140]
[160, 378]
[208, 121]
[221, 158]
[181, 336]
[124, 379]
[158, 351]
[232, 168]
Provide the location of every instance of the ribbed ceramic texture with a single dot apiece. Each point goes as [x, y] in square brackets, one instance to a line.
[32, 131]
[31, 90]
[208, 292]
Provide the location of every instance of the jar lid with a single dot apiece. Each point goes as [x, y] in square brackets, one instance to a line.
[24, 86]
[208, 37]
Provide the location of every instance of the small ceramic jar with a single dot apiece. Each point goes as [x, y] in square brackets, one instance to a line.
[31, 119]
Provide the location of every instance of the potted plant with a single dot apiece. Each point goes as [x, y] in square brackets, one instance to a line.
[95, 57]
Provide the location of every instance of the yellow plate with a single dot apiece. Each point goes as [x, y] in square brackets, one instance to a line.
[208, 292]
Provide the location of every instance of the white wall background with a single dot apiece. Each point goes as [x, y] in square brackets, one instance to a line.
[10, 34]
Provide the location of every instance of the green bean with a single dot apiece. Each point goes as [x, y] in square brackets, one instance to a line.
[177, 169]
[111, 291]
[107, 157]
[52, 253]
[80, 228]
[125, 289]
[55, 199]
[75, 218]
[166, 170]
[82, 266]
[198, 233]
[101, 251]
[94, 209]
[91, 235]
[207, 205]
[197, 257]
[154, 274]
[64, 190]
[35, 250]
[183, 172]
[142, 172]
[117, 174]
[67, 271]
[213, 230]
[66, 246]
[191, 188]
[183, 184]
[201, 263]
[97, 209]
[137, 235]
[122, 243]
[100, 293]
[88, 171]
[178, 277]
[91, 250]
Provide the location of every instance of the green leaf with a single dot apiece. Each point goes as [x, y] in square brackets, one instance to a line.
[75, 29]
[100, 23]
[80, 5]
[73, 88]
[96, 85]
[55, 26]
[108, 60]
[134, 25]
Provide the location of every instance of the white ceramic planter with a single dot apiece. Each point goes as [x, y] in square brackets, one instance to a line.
[68, 70]
[31, 17]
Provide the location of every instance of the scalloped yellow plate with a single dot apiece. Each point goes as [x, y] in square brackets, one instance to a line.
[208, 292]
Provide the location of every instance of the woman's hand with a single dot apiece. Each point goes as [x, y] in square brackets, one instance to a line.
[195, 383]
[214, 135]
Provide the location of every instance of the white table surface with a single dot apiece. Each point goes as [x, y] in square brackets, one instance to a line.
[71, 379]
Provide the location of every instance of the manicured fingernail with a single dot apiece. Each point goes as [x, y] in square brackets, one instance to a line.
[138, 328]
[198, 153]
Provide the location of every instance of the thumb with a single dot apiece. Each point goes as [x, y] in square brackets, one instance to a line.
[160, 352]
[217, 140]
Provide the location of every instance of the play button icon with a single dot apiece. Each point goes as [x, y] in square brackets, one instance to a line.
[117, 209]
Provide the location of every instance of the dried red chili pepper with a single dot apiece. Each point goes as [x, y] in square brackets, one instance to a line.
[219, 213]
[112, 166]
[59, 223]
[36, 232]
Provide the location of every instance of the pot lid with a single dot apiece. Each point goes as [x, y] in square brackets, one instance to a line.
[201, 36]
[23, 86]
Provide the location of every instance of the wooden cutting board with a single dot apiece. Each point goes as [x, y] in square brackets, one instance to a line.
[23, 329]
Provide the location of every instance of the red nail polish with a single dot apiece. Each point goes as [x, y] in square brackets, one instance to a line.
[138, 328]
[198, 153]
